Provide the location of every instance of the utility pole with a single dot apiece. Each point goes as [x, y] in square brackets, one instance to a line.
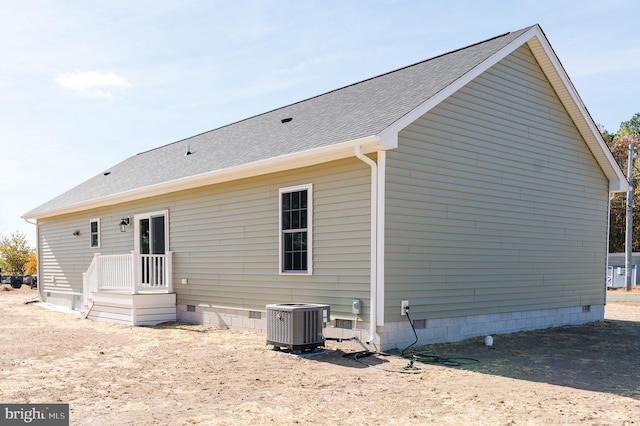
[628, 246]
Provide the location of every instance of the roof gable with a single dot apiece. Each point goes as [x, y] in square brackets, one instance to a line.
[550, 64]
[368, 114]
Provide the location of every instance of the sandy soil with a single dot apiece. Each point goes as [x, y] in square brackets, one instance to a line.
[179, 374]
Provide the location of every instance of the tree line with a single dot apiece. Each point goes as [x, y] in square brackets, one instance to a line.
[16, 257]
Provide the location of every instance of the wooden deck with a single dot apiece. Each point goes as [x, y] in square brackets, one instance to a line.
[133, 289]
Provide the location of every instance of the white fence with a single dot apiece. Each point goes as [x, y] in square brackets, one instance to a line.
[129, 273]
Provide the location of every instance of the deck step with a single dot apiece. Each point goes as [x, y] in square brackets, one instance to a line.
[133, 309]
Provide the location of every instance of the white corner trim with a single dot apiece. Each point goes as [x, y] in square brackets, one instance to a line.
[382, 164]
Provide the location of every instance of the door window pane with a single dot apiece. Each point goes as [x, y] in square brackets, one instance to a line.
[157, 235]
[144, 236]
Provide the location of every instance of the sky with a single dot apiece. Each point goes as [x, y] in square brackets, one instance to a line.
[86, 84]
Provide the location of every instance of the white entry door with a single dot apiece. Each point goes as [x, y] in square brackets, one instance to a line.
[151, 233]
[152, 242]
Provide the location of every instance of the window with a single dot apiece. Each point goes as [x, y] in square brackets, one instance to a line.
[295, 229]
[95, 232]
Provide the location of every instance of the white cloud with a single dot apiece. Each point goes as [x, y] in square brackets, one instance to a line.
[93, 84]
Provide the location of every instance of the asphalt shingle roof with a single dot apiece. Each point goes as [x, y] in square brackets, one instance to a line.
[352, 112]
[620, 259]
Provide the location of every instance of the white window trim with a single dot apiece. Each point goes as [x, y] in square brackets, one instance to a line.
[309, 188]
[97, 220]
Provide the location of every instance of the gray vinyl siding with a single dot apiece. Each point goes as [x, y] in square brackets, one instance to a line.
[224, 240]
[494, 203]
[63, 257]
[227, 239]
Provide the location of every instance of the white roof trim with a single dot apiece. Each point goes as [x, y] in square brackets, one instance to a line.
[572, 102]
[300, 159]
[388, 138]
[561, 83]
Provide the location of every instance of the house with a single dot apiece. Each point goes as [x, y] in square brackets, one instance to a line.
[616, 270]
[473, 185]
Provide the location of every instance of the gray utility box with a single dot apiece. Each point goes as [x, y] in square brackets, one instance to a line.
[297, 326]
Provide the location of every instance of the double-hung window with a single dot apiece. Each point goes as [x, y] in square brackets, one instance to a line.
[295, 229]
[94, 225]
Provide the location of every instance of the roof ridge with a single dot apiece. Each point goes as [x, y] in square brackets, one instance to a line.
[334, 90]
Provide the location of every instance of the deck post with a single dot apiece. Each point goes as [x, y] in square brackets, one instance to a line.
[98, 281]
[168, 270]
[135, 279]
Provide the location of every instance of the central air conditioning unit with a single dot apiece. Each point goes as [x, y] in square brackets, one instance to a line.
[297, 326]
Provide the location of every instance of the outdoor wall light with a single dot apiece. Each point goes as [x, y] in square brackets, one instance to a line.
[76, 232]
[124, 223]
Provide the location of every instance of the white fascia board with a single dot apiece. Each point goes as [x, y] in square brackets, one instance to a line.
[296, 160]
[572, 102]
[391, 132]
[560, 81]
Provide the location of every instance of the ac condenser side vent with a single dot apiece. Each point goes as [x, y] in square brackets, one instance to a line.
[296, 326]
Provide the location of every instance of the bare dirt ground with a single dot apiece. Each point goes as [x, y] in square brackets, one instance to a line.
[180, 374]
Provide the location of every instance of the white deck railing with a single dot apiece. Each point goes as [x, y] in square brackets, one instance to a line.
[129, 273]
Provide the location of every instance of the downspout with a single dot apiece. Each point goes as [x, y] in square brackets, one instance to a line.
[39, 285]
[374, 244]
